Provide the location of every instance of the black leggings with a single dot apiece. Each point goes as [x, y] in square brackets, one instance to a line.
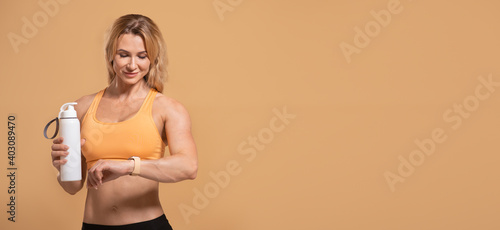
[160, 223]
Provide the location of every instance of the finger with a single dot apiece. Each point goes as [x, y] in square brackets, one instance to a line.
[93, 174]
[58, 163]
[89, 177]
[60, 147]
[91, 180]
[56, 158]
[98, 174]
[59, 158]
[56, 154]
[58, 140]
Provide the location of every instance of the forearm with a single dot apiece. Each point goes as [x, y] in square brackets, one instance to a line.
[169, 169]
[71, 187]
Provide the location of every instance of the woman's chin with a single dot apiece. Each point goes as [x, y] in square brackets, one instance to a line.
[130, 80]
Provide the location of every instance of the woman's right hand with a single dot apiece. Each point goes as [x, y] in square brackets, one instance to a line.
[59, 150]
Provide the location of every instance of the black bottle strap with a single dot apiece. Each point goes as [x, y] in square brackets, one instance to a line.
[47, 126]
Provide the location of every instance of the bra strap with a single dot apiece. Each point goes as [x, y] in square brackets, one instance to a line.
[150, 99]
[95, 103]
[97, 100]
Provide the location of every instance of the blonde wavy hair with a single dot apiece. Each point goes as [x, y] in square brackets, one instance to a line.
[144, 27]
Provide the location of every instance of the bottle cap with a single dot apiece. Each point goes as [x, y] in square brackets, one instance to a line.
[68, 110]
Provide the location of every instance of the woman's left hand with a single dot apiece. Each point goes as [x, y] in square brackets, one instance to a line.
[107, 170]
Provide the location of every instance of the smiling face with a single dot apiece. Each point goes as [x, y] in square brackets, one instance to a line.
[131, 62]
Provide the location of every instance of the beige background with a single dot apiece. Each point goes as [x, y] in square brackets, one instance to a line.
[325, 170]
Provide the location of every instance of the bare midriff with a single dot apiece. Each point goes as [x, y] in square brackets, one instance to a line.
[126, 200]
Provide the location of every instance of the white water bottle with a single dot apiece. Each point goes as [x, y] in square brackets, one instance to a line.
[70, 131]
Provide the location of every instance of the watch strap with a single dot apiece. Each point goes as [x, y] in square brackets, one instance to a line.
[137, 166]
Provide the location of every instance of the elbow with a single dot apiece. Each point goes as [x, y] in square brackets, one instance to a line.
[192, 172]
[193, 175]
[72, 187]
[188, 172]
[72, 191]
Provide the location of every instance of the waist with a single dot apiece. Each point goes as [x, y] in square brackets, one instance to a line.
[125, 200]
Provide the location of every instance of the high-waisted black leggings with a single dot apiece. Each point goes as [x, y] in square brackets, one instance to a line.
[160, 223]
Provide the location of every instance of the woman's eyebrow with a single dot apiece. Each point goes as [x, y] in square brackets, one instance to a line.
[122, 50]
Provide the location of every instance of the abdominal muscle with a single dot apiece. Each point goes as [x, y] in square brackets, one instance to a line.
[125, 200]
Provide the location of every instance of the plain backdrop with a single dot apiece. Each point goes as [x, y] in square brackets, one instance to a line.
[306, 114]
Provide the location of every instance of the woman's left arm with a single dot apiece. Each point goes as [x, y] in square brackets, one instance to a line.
[182, 164]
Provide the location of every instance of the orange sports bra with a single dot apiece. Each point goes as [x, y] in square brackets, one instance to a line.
[137, 136]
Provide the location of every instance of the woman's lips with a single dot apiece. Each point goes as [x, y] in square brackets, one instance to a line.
[133, 74]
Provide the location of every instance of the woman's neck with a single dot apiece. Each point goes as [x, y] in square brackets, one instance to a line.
[124, 91]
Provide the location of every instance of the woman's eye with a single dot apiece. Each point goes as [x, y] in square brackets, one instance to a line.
[143, 57]
[123, 55]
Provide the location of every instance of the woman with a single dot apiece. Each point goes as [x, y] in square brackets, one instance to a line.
[125, 129]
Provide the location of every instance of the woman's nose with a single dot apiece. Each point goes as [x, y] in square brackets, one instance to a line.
[131, 64]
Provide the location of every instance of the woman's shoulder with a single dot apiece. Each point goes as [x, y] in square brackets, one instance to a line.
[85, 101]
[168, 106]
[83, 104]
[86, 98]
